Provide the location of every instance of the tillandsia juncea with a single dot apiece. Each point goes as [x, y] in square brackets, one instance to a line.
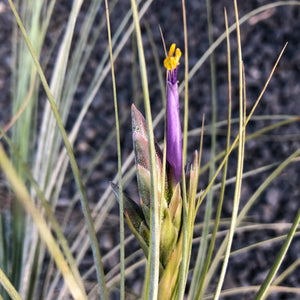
[169, 193]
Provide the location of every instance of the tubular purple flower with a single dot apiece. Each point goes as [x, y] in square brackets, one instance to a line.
[174, 134]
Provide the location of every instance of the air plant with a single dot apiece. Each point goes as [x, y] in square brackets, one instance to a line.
[169, 187]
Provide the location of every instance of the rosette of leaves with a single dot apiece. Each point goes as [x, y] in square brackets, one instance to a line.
[169, 188]
[138, 215]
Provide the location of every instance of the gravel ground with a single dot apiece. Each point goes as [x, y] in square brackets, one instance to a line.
[262, 37]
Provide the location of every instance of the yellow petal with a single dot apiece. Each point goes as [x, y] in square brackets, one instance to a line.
[171, 61]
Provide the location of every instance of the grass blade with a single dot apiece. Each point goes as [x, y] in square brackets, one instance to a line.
[24, 197]
[248, 205]
[83, 198]
[152, 272]
[264, 289]
[185, 248]
[239, 171]
[121, 204]
[9, 287]
[196, 290]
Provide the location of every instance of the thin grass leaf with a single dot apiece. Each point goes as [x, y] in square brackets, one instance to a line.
[247, 207]
[203, 255]
[24, 198]
[185, 255]
[107, 200]
[9, 287]
[138, 264]
[254, 288]
[287, 119]
[84, 202]
[222, 37]
[77, 64]
[152, 273]
[263, 243]
[254, 135]
[264, 289]
[198, 203]
[239, 171]
[121, 204]
[287, 272]
[22, 108]
[49, 139]
[244, 126]
[81, 54]
[24, 94]
[54, 224]
[155, 52]
[196, 290]
[246, 226]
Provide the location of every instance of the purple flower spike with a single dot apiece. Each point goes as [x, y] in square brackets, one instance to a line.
[174, 134]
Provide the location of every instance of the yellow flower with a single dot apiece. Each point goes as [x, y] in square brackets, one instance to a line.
[171, 61]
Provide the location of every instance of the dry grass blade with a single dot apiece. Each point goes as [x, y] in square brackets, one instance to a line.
[45, 233]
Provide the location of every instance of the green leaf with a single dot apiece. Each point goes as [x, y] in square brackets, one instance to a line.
[140, 144]
[131, 209]
[175, 207]
[168, 238]
[144, 185]
[138, 122]
[169, 276]
[146, 212]
[137, 234]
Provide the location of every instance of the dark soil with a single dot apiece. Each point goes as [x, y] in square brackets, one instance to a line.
[263, 36]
